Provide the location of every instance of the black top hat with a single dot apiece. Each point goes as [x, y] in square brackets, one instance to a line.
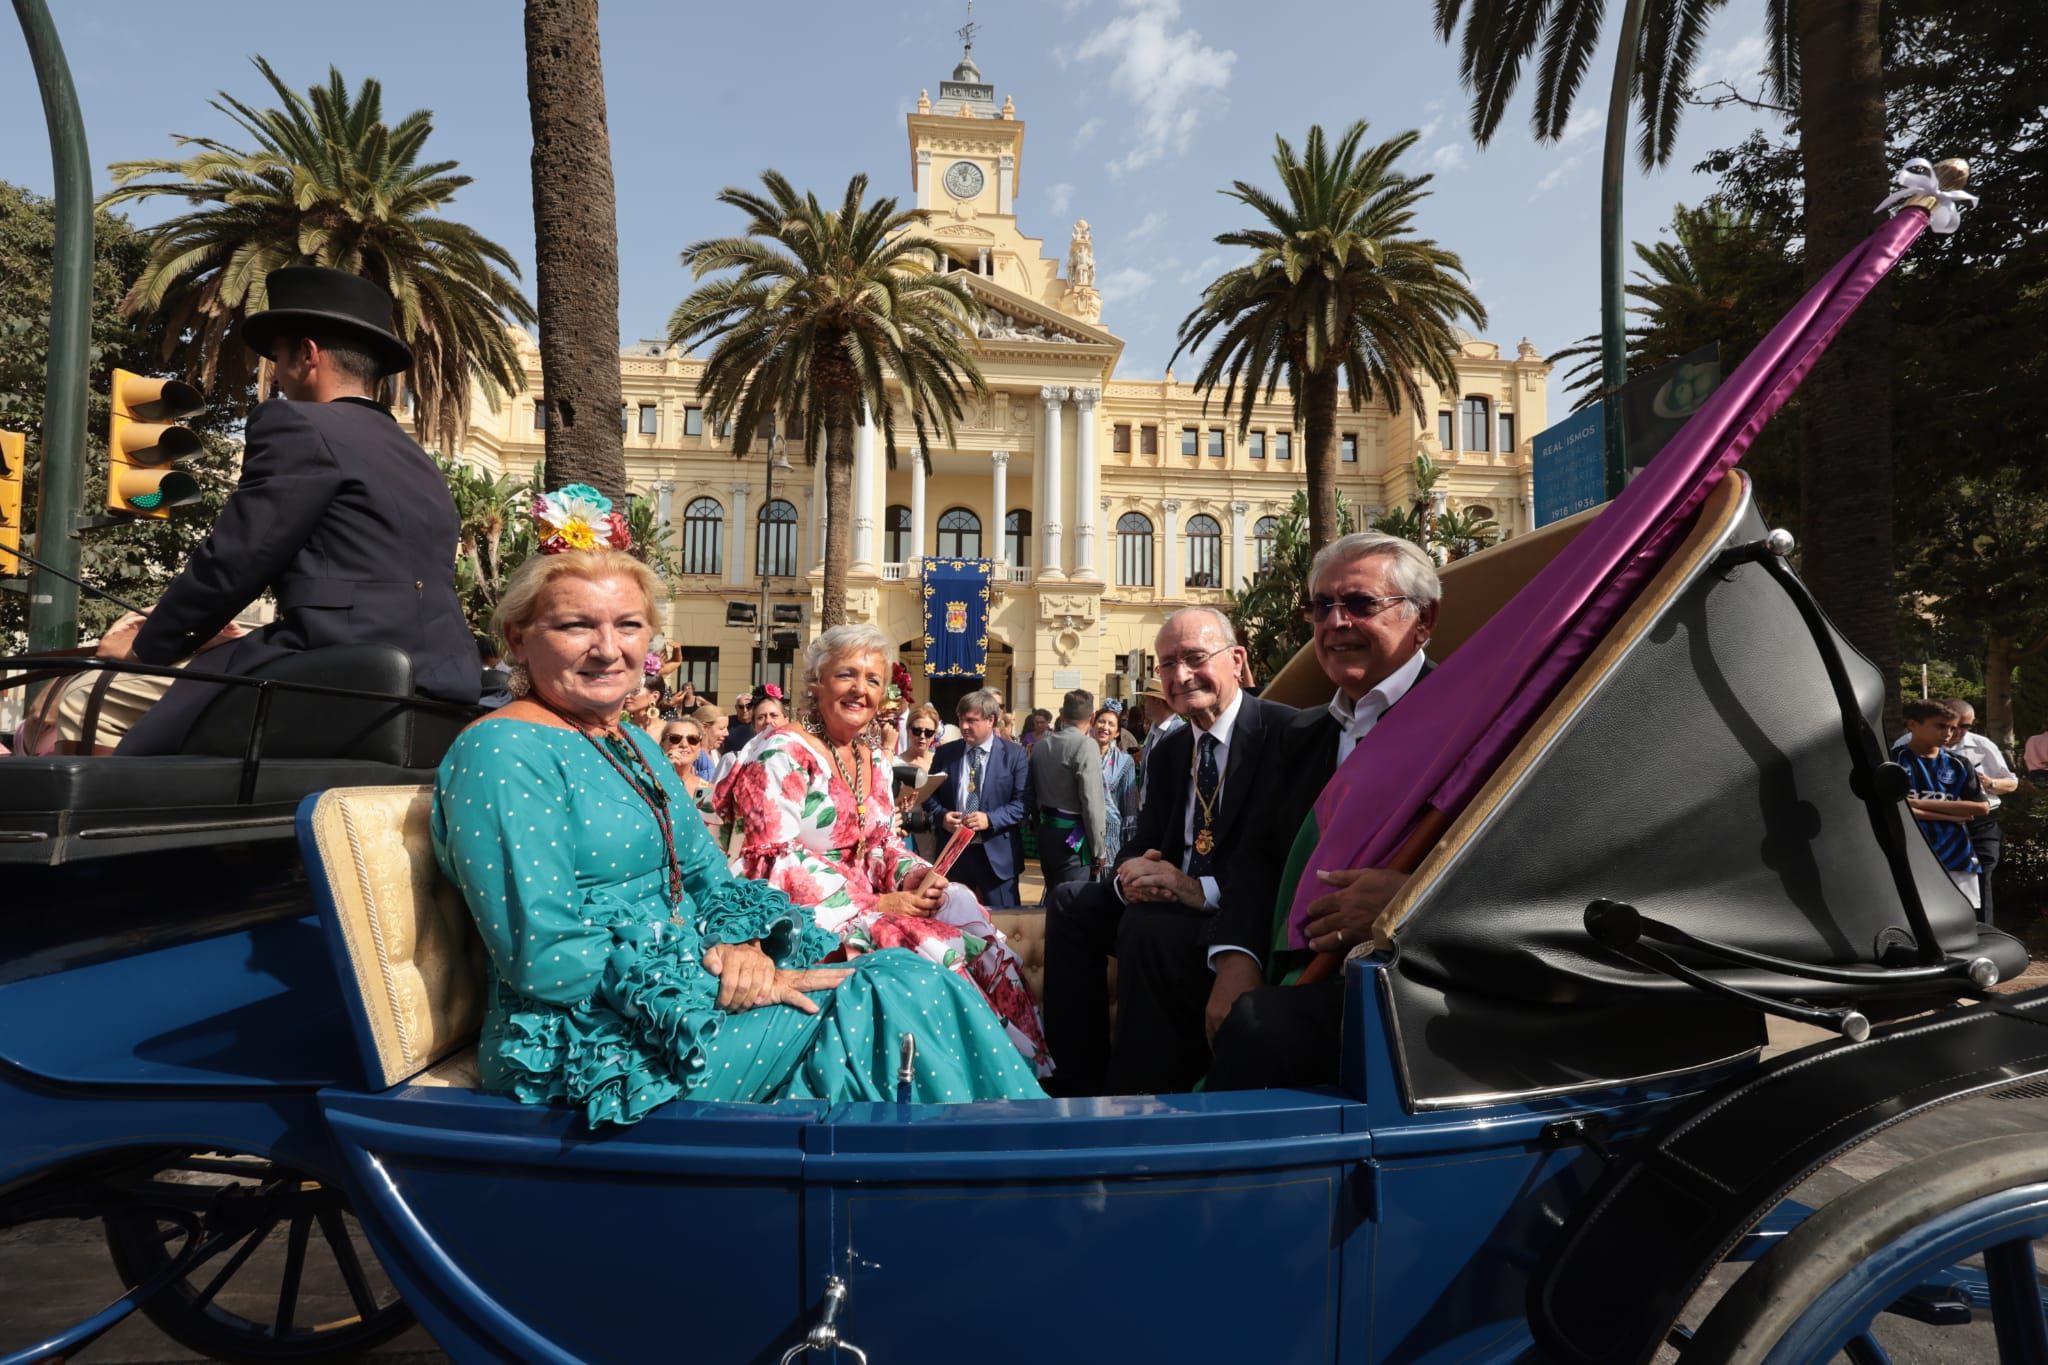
[311, 300]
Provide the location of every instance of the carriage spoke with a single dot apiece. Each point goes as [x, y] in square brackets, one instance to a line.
[2016, 1303]
[1864, 1350]
[294, 1270]
[335, 1228]
[235, 1263]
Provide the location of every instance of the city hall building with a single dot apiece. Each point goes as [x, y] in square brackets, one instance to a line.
[1099, 504]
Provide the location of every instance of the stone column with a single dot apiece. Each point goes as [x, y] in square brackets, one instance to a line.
[1172, 587]
[917, 477]
[1006, 175]
[924, 178]
[1051, 562]
[1240, 567]
[1086, 477]
[664, 502]
[737, 570]
[1000, 459]
[864, 496]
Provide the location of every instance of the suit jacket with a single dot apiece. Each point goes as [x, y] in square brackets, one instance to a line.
[345, 519]
[1066, 774]
[1305, 759]
[1005, 799]
[1162, 820]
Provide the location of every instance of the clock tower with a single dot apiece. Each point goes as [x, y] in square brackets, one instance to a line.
[964, 149]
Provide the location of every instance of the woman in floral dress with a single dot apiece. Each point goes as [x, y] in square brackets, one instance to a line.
[815, 803]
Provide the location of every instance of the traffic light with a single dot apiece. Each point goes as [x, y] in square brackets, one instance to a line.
[13, 473]
[144, 441]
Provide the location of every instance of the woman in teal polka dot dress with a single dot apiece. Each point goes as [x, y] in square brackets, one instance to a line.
[628, 966]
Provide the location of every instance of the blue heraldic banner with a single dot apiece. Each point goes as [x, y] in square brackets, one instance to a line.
[956, 597]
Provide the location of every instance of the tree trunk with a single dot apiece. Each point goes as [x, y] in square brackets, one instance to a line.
[1319, 449]
[1994, 721]
[1846, 462]
[839, 437]
[576, 246]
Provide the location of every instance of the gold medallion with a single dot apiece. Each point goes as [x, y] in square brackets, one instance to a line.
[1204, 842]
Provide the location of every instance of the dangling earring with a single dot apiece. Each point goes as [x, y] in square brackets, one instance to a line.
[519, 681]
[809, 717]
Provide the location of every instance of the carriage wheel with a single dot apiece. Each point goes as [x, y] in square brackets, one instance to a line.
[1928, 1247]
[287, 1275]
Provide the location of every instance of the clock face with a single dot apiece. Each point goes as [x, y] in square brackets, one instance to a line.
[963, 180]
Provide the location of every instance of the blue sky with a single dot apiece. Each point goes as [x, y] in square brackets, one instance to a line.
[1136, 112]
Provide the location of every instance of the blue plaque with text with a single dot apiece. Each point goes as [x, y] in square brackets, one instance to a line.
[1570, 468]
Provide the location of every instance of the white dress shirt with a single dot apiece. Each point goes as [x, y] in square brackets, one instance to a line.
[1220, 731]
[1356, 719]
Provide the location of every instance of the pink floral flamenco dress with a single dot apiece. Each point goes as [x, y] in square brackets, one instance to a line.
[805, 837]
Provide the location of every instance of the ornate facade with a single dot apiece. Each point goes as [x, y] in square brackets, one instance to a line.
[1107, 502]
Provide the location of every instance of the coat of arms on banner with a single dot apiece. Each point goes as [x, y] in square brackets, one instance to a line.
[956, 618]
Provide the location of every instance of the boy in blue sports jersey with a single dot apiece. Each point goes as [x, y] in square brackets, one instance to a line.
[1942, 791]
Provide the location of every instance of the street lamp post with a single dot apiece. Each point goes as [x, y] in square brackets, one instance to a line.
[778, 458]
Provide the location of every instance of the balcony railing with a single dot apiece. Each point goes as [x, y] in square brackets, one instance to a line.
[897, 573]
[892, 573]
[1019, 574]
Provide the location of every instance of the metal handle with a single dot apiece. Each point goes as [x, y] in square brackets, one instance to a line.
[906, 1074]
[824, 1334]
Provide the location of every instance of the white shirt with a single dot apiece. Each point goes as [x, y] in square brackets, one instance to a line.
[1357, 719]
[1983, 755]
[1220, 731]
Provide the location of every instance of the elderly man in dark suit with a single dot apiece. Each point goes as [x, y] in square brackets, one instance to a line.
[987, 788]
[1153, 915]
[338, 512]
[1372, 604]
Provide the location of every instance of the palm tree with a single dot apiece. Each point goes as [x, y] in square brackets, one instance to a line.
[826, 311]
[1339, 289]
[493, 512]
[575, 246]
[329, 183]
[1825, 71]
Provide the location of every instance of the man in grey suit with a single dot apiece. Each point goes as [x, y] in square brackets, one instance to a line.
[1066, 784]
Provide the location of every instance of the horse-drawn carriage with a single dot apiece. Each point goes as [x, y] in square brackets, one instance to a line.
[238, 1008]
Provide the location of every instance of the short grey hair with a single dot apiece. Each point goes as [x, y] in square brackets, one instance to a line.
[836, 642]
[980, 702]
[1229, 632]
[1413, 571]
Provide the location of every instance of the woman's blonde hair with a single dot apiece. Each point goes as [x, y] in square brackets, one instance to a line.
[925, 708]
[531, 580]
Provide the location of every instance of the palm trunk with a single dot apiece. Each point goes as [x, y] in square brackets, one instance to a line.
[1846, 464]
[1319, 449]
[2001, 652]
[576, 246]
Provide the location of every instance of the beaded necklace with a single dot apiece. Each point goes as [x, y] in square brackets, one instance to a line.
[632, 769]
[859, 787]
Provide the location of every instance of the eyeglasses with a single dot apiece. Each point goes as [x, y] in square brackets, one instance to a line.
[674, 740]
[921, 732]
[1357, 605]
[1191, 660]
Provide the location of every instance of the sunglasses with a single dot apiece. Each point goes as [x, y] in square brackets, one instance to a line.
[674, 740]
[921, 732]
[1357, 605]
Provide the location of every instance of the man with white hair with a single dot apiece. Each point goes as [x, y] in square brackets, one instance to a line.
[1153, 916]
[1372, 605]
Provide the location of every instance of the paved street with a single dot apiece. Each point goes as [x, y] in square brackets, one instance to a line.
[54, 1274]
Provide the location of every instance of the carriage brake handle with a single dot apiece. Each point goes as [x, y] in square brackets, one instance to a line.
[824, 1334]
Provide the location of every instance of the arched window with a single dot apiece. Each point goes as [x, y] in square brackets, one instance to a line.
[1265, 535]
[896, 533]
[1477, 510]
[1134, 550]
[776, 555]
[1017, 539]
[1205, 552]
[1476, 423]
[704, 536]
[959, 534]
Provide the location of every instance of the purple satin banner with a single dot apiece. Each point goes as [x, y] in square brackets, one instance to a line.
[1446, 738]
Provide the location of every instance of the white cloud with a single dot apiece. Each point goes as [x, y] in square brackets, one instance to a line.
[1582, 123]
[1449, 157]
[1202, 271]
[1062, 198]
[1127, 283]
[1150, 225]
[1741, 60]
[1431, 106]
[1428, 130]
[1086, 132]
[1557, 174]
[1164, 71]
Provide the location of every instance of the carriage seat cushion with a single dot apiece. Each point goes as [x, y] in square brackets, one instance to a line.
[402, 939]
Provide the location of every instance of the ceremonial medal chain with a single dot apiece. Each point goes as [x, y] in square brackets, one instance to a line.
[1205, 838]
[858, 788]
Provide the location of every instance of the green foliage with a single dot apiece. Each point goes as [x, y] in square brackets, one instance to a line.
[1266, 611]
[328, 183]
[136, 559]
[1942, 681]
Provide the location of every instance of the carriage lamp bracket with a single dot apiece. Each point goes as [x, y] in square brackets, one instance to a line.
[1879, 790]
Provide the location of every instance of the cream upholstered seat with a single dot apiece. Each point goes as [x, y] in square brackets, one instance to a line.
[401, 932]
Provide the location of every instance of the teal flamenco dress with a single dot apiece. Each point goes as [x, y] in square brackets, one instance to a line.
[598, 995]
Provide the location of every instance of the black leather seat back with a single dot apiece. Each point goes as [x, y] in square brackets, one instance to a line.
[313, 725]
